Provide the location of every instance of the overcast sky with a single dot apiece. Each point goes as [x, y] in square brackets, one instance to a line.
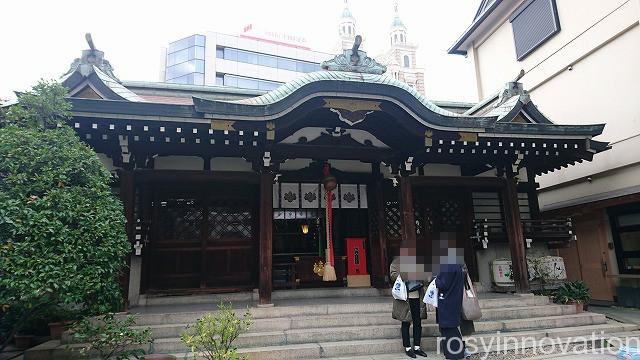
[40, 39]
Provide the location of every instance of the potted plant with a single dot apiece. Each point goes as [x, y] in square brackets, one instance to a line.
[23, 341]
[575, 293]
[59, 318]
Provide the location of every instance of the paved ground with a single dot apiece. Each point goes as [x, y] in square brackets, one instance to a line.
[576, 357]
[621, 314]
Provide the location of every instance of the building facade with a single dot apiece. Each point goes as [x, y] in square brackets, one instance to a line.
[256, 59]
[579, 61]
[233, 192]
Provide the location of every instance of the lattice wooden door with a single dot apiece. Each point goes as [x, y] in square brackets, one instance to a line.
[203, 237]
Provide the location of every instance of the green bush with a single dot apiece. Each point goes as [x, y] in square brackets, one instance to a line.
[111, 338]
[62, 238]
[573, 291]
[213, 334]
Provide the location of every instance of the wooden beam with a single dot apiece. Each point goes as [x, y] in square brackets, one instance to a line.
[145, 176]
[407, 217]
[458, 181]
[515, 235]
[266, 238]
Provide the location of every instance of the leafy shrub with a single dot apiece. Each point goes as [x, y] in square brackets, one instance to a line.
[111, 338]
[213, 334]
[573, 291]
[62, 238]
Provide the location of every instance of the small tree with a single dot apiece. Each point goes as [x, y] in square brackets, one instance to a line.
[213, 334]
[62, 238]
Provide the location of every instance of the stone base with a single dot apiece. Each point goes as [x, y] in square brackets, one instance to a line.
[358, 281]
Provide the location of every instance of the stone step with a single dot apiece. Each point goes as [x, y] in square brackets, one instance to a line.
[599, 341]
[336, 334]
[186, 315]
[386, 346]
[251, 296]
[313, 350]
[369, 319]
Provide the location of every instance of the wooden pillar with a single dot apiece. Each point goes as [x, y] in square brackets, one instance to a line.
[378, 236]
[513, 223]
[127, 196]
[532, 193]
[266, 238]
[407, 216]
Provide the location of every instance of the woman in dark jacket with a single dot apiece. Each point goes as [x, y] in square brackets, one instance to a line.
[450, 283]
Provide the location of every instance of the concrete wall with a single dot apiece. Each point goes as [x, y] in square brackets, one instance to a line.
[586, 73]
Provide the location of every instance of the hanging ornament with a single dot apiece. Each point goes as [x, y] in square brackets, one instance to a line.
[330, 184]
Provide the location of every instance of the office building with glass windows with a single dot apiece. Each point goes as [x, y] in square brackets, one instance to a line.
[260, 61]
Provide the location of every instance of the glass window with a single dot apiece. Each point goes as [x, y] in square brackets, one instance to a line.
[183, 44]
[625, 228]
[198, 79]
[199, 65]
[219, 79]
[629, 219]
[196, 52]
[247, 57]
[267, 60]
[220, 53]
[230, 54]
[200, 39]
[178, 57]
[267, 85]
[230, 81]
[246, 83]
[286, 64]
[406, 61]
[181, 69]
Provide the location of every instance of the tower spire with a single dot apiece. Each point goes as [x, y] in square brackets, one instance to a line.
[346, 27]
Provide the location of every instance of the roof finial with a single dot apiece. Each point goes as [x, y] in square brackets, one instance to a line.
[395, 7]
[89, 41]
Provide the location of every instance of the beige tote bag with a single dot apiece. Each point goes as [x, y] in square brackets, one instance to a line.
[470, 304]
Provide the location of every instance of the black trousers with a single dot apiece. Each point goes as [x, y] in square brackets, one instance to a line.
[451, 344]
[414, 306]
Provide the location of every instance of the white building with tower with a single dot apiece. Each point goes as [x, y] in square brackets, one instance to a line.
[400, 58]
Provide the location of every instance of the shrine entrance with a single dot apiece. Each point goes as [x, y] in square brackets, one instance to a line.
[203, 236]
[299, 232]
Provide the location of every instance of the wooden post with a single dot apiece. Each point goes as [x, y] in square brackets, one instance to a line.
[407, 217]
[515, 234]
[127, 196]
[378, 236]
[266, 238]
[532, 193]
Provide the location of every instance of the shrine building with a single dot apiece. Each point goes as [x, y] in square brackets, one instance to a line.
[225, 190]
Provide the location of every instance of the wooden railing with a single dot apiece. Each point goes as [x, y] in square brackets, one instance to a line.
[555, 233]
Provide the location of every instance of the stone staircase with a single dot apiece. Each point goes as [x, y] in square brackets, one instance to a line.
[331, 323]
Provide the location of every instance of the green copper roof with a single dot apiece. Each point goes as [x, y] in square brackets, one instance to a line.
[397, 22]
[290, 87]
[346, 14]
